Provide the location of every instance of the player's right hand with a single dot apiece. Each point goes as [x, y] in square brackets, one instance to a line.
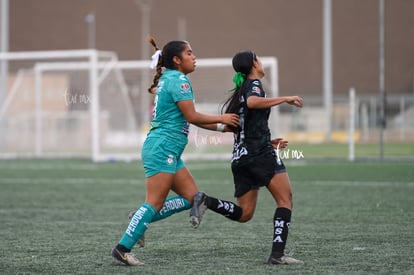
[230, 119]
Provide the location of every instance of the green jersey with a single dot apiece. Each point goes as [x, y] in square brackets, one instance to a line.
[167, 119]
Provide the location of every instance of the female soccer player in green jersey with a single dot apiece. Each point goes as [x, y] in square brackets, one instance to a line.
[254, 163]
[161, 153]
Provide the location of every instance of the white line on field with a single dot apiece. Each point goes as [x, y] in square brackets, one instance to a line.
[23, 180]
[68, 181]
[49, 166]
[361, 183]
[91, 181]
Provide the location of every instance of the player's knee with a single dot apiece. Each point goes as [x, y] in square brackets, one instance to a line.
[246, 216]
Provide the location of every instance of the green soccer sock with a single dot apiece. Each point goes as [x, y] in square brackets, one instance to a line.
[137, 226]
[171, 206]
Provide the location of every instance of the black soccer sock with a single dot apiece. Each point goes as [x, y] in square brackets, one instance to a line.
[226, 208]
[281, 222]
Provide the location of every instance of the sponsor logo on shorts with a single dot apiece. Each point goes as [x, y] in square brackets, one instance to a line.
[170, 159]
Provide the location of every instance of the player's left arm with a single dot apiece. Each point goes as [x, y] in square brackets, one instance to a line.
[279, 143]
[256, 102]
[215, 127]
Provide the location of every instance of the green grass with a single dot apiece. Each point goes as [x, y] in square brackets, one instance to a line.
[63, 217]
[362, 150]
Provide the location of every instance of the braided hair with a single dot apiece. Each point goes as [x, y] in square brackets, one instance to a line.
[171, 49]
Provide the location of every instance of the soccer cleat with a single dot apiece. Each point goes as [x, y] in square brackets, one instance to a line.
[127, 258]
[131, 214]
[141, 242]
[198, 209]
[283, 260]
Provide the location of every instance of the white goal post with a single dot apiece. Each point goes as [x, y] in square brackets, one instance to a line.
[204, 144]
[52, 94]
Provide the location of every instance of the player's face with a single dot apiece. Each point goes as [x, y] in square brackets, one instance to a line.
[259, 66]
[187, 63]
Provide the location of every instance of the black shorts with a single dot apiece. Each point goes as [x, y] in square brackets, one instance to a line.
[256, 172]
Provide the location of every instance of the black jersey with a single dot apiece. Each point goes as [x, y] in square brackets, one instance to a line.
[253, 135]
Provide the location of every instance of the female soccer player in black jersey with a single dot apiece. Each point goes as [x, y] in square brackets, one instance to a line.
[254, 163]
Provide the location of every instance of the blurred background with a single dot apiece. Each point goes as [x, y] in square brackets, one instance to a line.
[74, 74]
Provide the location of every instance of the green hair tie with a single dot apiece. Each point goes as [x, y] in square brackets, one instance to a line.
[238, 79]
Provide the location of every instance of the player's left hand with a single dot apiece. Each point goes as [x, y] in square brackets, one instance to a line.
[279, 143]
[295, 101]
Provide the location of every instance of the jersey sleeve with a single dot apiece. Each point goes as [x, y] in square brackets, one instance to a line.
[182, 90]
[255, 89]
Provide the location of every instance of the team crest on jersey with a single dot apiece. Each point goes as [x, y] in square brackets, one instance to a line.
[256, 90]
[185, 88]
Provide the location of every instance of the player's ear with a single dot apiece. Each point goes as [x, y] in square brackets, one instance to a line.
[255, 64]
[176, 60]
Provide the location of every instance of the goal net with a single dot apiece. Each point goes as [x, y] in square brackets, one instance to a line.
[89, 104]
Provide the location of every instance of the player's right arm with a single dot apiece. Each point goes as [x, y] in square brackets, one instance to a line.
[194, 117]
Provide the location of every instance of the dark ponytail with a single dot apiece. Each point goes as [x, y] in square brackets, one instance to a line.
[242, 65]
